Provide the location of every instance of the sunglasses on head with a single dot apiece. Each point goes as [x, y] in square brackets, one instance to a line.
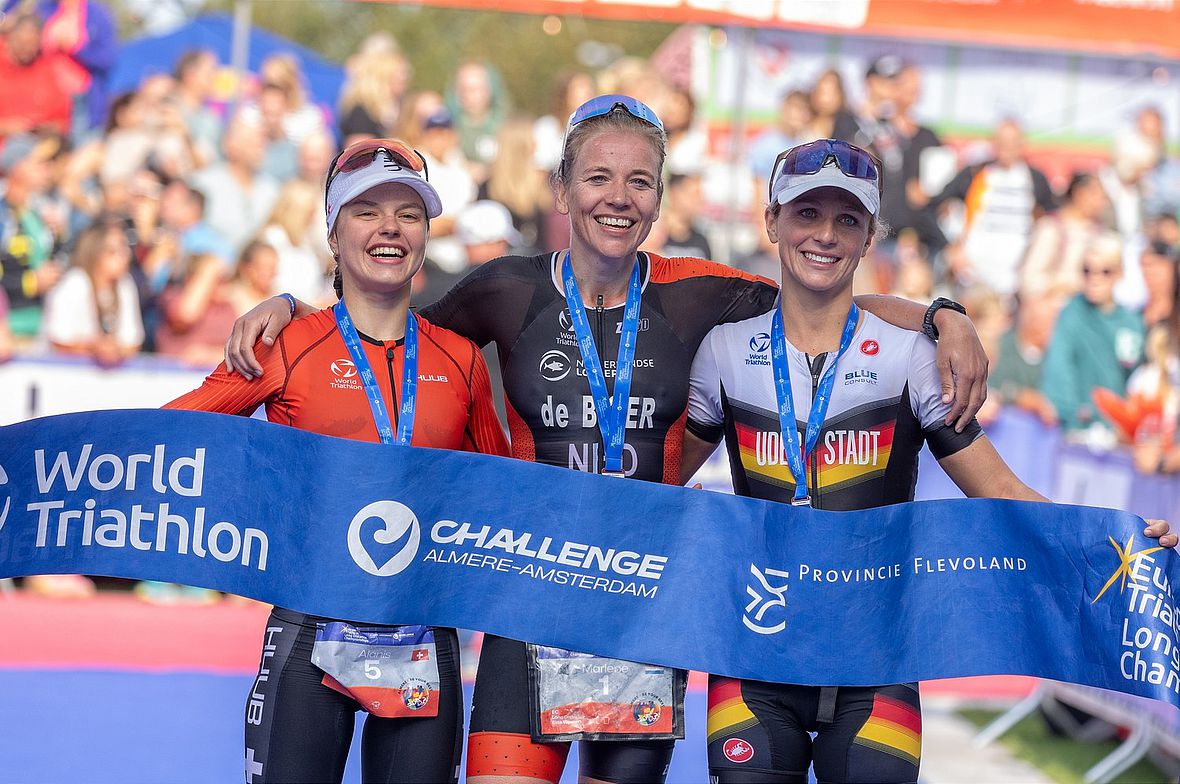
[605, 104]
[361, 154]
[811, 157]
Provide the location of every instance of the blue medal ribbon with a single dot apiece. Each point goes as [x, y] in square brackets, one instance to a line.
[611, 409]
[405, 424]
[786, 402]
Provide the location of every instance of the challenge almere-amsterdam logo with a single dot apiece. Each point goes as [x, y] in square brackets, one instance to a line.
[384, 539]
[1151, 653]
[398, 523]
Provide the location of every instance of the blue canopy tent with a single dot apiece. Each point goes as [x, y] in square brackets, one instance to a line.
[143, 57]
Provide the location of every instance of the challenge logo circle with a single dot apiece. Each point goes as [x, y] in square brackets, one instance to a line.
[398, 521]
[555, 365]
[7, 498]
[760, 342]
[415, 693]
[738, 750]
[343, 368]
[870, 347]
[646, 709]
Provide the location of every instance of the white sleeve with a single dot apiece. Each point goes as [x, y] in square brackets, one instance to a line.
[129, 331]
[926, 402]
[925, 385]
[704, 384]
[69, 315]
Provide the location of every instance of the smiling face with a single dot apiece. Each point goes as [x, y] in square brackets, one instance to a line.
[822, 236]
[611, 195]
[380, 239]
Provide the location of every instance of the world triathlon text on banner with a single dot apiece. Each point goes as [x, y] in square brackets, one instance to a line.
[643, 572]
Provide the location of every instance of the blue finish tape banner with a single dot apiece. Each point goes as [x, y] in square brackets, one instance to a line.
[625, 569]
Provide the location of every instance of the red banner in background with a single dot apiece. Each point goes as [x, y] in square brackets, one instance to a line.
[1112, 26]
[1109, 26]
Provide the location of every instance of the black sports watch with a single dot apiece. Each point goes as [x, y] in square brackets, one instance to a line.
[928, 327]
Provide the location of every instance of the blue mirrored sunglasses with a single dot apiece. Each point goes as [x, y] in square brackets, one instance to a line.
[811, 157]
[605, 104]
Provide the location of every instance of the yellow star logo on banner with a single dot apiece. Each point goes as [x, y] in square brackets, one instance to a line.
[1126, 559]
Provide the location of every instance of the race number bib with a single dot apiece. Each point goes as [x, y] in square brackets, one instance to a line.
[391, 671]
[580, 696]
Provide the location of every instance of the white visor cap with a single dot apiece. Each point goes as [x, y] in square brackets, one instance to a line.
[347, 185]
[788, 187]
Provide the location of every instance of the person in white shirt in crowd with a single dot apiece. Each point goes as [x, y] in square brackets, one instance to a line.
[438, 143]
[1131, 159]
[193, 79]
[300, 271]
[94, 309]
[1052, 265]
[315, 155]
[302, 117]
[238, 197]
[1002, 198]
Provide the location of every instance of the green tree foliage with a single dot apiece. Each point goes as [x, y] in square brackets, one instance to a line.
[437, 39]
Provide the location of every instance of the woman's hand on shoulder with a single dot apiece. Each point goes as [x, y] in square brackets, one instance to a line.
[962, 366]
[265, 320]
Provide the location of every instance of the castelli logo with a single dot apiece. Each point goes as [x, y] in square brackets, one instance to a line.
[870, 347]
[737, 750]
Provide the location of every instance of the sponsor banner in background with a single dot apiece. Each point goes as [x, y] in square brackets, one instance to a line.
[629, 570]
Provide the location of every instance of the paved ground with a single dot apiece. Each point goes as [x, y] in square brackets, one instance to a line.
[949, 755]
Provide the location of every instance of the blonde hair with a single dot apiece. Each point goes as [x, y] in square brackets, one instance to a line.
[416, 107]
[282, 71]
[1107, 246]
[295, 209]
[513, 179]
[369, 85]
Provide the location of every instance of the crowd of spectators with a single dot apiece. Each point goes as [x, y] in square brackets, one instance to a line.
[147, 221]
[1073, 290]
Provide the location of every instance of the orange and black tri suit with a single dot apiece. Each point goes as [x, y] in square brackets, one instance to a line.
[304, 728]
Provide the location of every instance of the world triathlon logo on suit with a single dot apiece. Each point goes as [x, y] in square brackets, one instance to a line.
[759, 345]
[1150, 633]
[344, 375]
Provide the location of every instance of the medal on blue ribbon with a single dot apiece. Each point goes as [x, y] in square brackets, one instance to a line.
[819, 405]
[405, 424]
[611, 409]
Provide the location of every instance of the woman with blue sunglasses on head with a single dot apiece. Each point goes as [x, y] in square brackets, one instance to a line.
[564, 323]
[859, 450]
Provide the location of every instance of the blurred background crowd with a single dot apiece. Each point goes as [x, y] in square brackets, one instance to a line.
[146, 221]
